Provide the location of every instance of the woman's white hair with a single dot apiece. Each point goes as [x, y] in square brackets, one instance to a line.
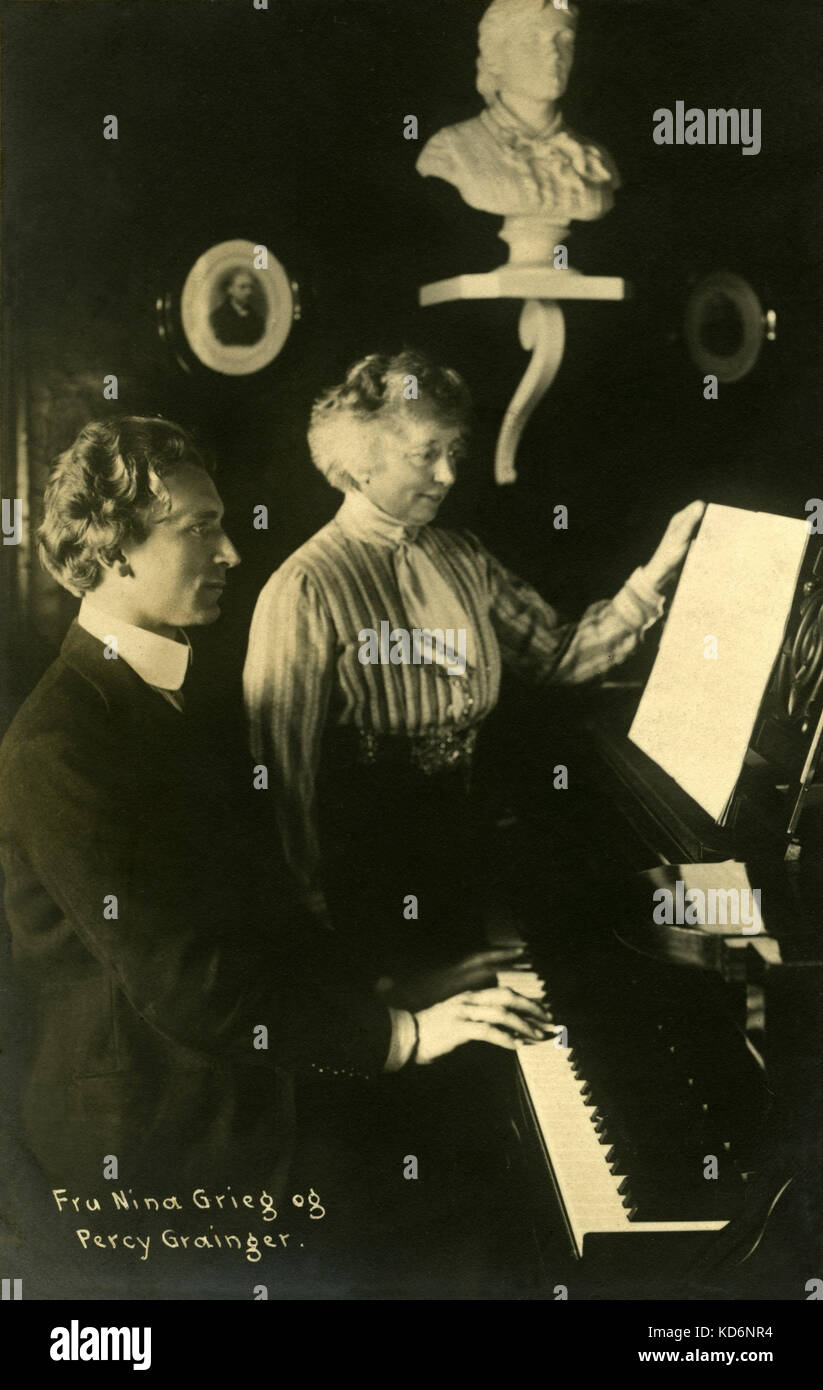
[345, 420]
[502, 20]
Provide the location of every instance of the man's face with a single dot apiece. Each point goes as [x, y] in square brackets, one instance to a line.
[416, 456]
[241, 290]
[537, 59]
[178, 572]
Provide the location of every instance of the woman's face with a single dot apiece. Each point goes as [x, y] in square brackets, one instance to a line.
[416, 455]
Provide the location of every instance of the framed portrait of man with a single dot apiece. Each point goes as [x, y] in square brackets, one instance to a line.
[237, 307]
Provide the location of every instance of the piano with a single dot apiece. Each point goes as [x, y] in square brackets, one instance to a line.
[669, 1137]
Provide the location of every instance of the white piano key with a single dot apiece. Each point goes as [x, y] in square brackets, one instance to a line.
[525, 982]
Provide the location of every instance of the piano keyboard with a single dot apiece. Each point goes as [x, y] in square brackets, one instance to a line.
[593, 1198]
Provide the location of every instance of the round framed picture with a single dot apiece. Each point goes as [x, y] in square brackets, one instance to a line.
[726, 326]
[237, 307]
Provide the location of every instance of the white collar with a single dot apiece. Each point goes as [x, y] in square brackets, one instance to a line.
[363, 520]
[159, 661]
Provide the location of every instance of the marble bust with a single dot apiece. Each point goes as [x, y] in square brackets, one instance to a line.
[518, 158]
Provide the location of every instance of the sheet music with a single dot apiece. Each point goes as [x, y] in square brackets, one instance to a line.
[724, 631]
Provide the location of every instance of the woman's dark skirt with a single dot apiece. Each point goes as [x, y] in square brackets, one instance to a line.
[400, 867]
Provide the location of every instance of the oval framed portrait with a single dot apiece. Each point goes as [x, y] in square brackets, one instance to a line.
[725, 326]
[237, 307]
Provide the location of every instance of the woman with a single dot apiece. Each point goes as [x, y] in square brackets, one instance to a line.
[367, 724]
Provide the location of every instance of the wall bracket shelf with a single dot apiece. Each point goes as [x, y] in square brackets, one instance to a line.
[542, 332]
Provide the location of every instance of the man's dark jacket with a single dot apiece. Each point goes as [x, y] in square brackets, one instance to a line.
[236, 330]
[145, 928]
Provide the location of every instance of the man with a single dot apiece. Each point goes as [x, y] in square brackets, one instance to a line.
[168, 1003]
[236, 322]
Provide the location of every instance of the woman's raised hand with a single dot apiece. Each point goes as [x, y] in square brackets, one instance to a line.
[671, 552]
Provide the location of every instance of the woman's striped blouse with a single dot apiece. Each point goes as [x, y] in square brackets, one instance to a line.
[303, 670]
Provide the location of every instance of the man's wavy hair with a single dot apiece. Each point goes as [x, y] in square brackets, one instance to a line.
[500, 22]
[102, 490]
[373, 389]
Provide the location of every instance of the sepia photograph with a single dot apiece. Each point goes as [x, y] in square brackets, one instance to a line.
[236, 322]
[411, 661]
[237, 308]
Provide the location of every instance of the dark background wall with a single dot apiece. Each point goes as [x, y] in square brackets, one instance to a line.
[286, 127]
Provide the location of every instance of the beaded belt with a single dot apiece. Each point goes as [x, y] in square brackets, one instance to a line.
[439, 750]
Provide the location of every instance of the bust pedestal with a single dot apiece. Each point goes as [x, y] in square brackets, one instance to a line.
[542, 330]
[531, 239]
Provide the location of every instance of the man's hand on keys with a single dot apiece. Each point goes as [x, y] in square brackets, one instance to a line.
[498, 1016]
